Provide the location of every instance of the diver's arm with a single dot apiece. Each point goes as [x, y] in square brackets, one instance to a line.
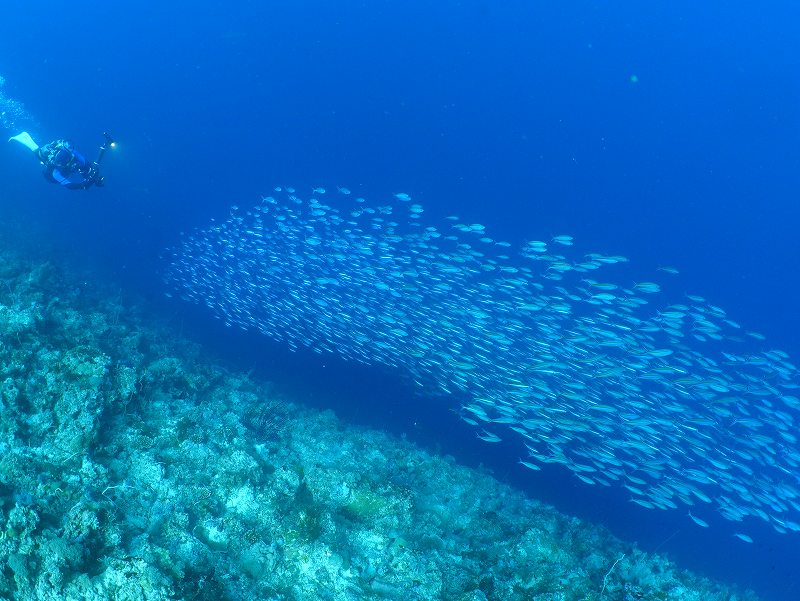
[82, 185]
[78, 185]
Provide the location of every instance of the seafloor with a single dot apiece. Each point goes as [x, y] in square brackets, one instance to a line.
[134, 467]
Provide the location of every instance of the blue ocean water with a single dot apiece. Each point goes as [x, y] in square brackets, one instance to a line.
[665, 133]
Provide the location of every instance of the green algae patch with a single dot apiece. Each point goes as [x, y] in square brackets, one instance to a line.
[365, 505]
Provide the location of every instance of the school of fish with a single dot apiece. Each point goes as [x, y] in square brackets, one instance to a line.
[677, 403]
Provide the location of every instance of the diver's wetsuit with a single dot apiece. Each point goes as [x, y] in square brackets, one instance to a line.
[66, 166]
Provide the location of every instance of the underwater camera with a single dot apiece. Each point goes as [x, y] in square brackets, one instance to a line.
[109, 143]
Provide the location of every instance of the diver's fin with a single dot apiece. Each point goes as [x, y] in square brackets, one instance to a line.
[25, 139]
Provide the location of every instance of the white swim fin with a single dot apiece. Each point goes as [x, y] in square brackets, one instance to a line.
[25, 139]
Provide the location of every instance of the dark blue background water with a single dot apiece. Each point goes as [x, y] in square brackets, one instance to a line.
[666, 133]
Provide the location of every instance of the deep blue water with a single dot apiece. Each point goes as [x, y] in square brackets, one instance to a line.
[669, 134]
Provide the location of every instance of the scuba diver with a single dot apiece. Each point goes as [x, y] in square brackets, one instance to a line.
[64, 165]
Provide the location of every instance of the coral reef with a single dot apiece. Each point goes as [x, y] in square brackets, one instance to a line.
[133, 467]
